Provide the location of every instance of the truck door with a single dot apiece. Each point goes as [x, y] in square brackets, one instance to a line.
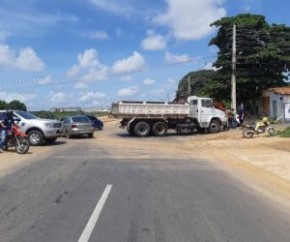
[193, 108]
[206, 112]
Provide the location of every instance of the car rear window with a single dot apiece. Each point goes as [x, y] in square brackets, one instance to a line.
[80, 119]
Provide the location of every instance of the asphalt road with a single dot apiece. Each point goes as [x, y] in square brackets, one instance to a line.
[132, 195]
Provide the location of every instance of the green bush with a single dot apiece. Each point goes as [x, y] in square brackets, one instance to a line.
[284, 133]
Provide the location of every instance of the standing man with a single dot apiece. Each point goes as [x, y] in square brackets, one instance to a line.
[6, 124]
[241, 114]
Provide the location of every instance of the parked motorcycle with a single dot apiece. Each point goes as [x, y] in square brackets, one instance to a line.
[16, 138]
[260, 127]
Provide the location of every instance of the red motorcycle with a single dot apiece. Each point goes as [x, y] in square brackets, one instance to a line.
[16, 138]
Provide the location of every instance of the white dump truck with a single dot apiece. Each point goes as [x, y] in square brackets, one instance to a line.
[155, 118]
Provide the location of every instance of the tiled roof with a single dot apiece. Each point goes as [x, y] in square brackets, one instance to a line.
[280, 90]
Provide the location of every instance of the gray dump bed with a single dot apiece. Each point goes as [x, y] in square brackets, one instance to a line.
[130, 109]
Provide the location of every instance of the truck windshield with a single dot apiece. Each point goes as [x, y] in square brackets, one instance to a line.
[26, 115]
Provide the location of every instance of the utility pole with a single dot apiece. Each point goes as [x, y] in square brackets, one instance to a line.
[234, 62]
[189, 86]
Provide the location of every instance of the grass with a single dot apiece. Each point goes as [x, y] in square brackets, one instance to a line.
[284, 133]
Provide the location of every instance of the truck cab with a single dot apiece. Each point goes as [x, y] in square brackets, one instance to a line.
[203, 110]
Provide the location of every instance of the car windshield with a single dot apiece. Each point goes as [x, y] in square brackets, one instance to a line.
[80, 119]
[26, 115]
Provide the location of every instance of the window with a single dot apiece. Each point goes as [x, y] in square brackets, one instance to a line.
[194, 102]
[207, 103]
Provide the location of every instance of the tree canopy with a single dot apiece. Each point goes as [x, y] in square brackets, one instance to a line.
[263, 53]
[263, 58]
[15, 105]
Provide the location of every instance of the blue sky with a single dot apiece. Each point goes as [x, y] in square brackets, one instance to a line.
[89, 53]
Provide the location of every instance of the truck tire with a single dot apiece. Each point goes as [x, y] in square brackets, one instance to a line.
[159, 129]
[35, 137]
[214, 126]
[142, 129]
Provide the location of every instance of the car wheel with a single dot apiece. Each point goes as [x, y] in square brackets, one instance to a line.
[90, 135]
[35, 137]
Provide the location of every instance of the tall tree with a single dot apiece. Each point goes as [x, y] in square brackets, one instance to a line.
[16, 105]
[263, 55]
[197, 83]
[2, 104]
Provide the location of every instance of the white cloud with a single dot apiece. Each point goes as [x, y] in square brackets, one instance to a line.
[101, 35]
[171, 58]
[89, 59]
[91, 96]
[126, 78]
[26, 60]
[89, 69]
[209, 66]
[22, 97]
[128, 92]
[7, 56]
[29, 61]
[57, 97]
[113, 6]
[148, 81]
[154, 41]
[191, 19]
[45, 80]
[134, 62]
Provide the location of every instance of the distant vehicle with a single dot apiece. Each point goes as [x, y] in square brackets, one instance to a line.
[77, 125]
[38, 130]
[146, 118]
[98, 124]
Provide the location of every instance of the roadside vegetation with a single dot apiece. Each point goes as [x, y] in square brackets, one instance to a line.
[285, 133]
[62, 114]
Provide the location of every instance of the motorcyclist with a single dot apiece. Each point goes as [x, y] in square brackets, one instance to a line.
[6, 124]
[262, 123]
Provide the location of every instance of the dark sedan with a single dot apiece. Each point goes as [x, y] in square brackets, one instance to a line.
[97, 124]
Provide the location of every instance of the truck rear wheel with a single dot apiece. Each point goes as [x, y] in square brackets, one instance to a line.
[159, 129]
[214, 126]
[142, 129]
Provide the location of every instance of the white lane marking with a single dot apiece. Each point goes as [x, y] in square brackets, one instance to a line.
[95, 215]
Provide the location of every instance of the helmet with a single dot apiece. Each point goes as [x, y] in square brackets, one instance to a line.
[265, 119]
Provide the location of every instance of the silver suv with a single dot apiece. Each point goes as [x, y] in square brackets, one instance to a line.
[38, 130]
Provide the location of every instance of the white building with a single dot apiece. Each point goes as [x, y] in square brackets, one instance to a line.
[276, 103]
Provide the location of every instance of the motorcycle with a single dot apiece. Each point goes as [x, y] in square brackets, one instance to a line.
[16, 138]
[261, 126]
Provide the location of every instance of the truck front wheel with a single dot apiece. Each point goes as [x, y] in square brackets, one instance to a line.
[159, 129]
[214, 126]
[142, 129]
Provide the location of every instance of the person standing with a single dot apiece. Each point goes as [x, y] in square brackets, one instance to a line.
[241, 114]
[6, 124]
